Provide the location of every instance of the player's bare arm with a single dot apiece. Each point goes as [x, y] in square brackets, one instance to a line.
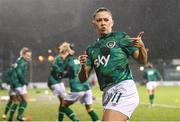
[85, 70]
[141, 54]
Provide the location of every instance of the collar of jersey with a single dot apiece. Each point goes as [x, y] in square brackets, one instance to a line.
[104, 37]
[21, 58]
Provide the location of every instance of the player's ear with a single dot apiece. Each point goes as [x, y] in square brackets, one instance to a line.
[93, 23]
[112, 23]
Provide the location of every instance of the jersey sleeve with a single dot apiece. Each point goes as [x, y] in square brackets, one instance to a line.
[158, 75]
[89, 61]
[6, 76]
[72, 67]
[126, 44]
[20, 69]
[145, 75]
[55, 66]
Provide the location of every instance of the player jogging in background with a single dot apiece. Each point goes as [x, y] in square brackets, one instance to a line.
[151, 76]
[55, 79]
[79, 91]
[108, 56]
[8, 78]
[19, 84]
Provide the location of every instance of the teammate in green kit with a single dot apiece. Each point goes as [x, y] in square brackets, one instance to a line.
[108, 55]
[19, 84]
[79, 91]
[7, 77]
[151, 76]
[55, 79]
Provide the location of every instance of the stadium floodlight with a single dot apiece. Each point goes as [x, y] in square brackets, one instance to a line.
[50, 58]
[49, 51]
[176, 61]
[178, 68]
[141, 68]
[41, 58]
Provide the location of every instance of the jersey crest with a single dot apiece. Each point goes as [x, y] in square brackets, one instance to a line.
[110, 44]
[150, 72]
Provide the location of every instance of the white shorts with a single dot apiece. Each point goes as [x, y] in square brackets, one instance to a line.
[151, 85]
[122, 97]
[58, 89]
[83, 96]
[11, 91]
[21, 90]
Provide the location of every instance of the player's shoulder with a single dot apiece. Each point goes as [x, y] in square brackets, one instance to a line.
[91, 46]
[120, 34]
[57, 58]
[71, 57]
[21, 61]
[121, 38]
[72, 60]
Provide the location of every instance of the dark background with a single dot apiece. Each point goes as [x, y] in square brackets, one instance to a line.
[42, 24]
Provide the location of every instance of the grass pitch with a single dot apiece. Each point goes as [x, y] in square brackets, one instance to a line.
[43, 105]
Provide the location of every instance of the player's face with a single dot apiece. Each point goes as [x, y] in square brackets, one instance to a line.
[27, 56]
[69, 51]
[64, 55]
[103, 23]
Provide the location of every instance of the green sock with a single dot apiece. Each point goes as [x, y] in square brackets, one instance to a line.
[8, 105]
[93, 116]
[151, 98]
[12, 111]
[69, 113]
[60, 114]
[21, 109]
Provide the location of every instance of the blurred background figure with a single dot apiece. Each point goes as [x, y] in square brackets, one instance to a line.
[1, 87]
[79, 91]
[55, 78]
[151, 76]
[8, 79]
[19, 84]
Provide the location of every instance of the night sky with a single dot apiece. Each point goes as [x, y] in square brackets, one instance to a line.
[42, 24]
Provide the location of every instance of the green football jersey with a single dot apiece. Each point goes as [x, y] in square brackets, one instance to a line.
[18, 75]
[56, 71]
[151, 74]
[109, 57]
[7, 75]
[72, 68]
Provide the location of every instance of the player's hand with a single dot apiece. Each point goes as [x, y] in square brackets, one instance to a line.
[137, 41]
[83, 59]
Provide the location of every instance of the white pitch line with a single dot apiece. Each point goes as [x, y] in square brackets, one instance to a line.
[163, 105]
